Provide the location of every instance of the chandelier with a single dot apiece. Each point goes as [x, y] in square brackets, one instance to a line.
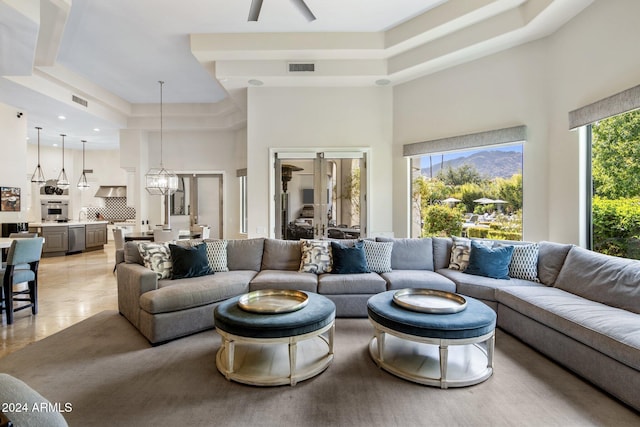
[82, 182]
[160, 181]
[38, 175]
[63, 181]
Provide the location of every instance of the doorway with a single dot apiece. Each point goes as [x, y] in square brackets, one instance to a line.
[320, 195]
[199, 201]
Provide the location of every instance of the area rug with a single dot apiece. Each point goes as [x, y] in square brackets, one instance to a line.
[110, 375]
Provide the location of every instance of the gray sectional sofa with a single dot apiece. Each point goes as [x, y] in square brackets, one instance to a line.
[584, 312]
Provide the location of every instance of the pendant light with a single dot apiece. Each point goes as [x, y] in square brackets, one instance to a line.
[38, 176]
[82, 182]
[63, 181]
[160, 181]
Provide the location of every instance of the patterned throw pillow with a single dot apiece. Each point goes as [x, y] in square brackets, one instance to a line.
[378, 255]
[217, 255]
[157, 258]
[461, 249]
[316, 257]
[460, 253]
[524, 262]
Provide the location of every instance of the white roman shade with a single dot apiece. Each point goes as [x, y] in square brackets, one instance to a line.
[464, 142]
[613, 105]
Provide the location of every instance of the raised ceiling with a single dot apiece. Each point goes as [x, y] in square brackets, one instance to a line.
[112, 53]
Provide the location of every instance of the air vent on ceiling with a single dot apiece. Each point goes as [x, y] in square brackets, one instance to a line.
[296, 68]
[79, 100]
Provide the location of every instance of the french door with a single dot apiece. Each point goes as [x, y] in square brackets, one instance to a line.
[320, 194]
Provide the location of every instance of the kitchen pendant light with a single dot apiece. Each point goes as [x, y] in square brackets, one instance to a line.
[38, 176]
[82, 182]
[160, 181]
[63, 181]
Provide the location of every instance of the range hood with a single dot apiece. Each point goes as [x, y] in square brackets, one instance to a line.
[111, 191]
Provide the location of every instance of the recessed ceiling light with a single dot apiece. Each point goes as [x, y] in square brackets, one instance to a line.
[256, 82]
[383, 82]
[96, 130]
[62, 117]
[55, 144]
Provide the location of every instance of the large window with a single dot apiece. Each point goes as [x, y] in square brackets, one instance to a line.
[469, 185]
[473, 193]
[612, 178]
[615, 185]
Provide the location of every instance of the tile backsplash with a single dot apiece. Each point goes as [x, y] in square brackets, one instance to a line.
[115, 208]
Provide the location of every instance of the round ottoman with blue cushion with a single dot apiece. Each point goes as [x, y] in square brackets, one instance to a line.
[261, 349]
[418, 346]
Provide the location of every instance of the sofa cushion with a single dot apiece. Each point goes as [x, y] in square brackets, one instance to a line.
[480, 287]
[551, 257]
[245, 254]
[316, 257]
[603, 278]
[132, 253]
[157, 258]
[400, 279]
[378, 255]
[609, 330]
[182, 294]
[338, 284]
[189, 262]
[284, 279]
[281, 255]
[489, 262]
[410, 253]
[441, 252]
[349, 260]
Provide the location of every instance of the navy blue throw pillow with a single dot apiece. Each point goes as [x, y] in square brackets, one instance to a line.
[347, 260]
[189, 262]
[489, 262]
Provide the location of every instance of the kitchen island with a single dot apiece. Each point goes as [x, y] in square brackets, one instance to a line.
[62, 238]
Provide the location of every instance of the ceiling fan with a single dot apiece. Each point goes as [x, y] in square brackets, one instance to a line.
[256, 5]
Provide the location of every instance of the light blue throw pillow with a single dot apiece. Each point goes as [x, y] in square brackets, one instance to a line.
[489, 262]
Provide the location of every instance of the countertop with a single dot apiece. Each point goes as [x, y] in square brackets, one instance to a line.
[59, 224]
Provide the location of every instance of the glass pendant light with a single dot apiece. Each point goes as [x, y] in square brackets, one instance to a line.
[63, 181]
[82, 182]
[160, 181]
[38, 176]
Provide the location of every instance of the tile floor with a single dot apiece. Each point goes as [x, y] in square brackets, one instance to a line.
[71, 289]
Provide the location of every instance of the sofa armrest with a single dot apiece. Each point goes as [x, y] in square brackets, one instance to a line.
[133, 281]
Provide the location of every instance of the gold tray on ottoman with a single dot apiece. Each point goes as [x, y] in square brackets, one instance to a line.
[272, 301]
[430, 301]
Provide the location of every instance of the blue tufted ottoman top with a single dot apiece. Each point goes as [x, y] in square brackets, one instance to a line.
[318, 313]
[474, 321]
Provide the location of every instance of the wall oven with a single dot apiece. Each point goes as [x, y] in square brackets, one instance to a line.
[54, 210]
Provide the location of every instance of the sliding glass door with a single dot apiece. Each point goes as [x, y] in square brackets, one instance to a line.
[320, 195]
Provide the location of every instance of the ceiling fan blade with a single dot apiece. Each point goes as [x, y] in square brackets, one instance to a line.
[304, 9]
[254, 11]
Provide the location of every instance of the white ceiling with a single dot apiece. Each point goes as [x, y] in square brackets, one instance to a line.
[112, 53]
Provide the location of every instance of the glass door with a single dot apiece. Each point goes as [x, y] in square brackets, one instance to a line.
[320, 195]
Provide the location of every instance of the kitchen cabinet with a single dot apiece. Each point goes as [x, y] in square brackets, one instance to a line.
[56, 239]
[96, 235]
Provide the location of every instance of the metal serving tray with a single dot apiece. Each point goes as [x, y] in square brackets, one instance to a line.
[430, 301]
[272, 301]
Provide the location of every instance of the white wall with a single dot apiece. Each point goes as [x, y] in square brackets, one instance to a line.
[203, 152]
[13, 145]
[536, 84]
[321, 118]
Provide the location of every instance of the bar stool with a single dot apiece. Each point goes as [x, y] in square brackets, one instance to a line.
[21, 252]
